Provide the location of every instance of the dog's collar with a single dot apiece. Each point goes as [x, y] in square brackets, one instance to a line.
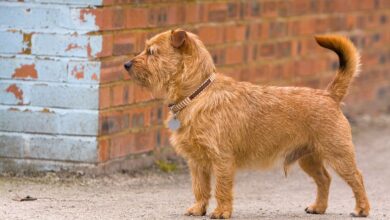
[175, 108]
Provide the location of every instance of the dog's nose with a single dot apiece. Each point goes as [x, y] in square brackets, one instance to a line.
[128, 65]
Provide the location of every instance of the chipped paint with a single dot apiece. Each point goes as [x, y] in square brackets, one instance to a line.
[79, 75]
[94, 77]
[84, 72]
[73, 46]
[27, 43]
[14, 109]
[77, 72]
[84, 13]
[89, 49]
[46, 110]
[26, 71]
[18, 93]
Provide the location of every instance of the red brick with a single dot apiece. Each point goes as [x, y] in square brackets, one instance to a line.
[121, 145]
[137, 17]
[118, 95]
[236, 33]
[144, 141]
[267, 42]
[211, 34]
[141, 94]
[104, 97]
[191, 13]
[112, 70]
[234, 55]
[108, 43]
[104, 153]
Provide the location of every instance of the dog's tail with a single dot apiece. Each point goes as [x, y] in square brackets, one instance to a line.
[349, 59]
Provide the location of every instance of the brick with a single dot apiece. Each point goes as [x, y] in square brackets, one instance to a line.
[48, 121]
[29, 165]
[236, 33]
[104, 150]
[141, 94]
[61, 148]
[83, 72]
[191, 13]
[216, 12]
[46, 17]
[124, 44]
[104, 97]
[66, 45]
[121, 145]
[113, 70]
[11, 42]
[112, 122]
[107, 47]
[33, 69]
[137, 17]
[12, 145]
[234, 55]
[49, 95]
[143, 141]
[211, 34]
[118, 95]
[68, 2]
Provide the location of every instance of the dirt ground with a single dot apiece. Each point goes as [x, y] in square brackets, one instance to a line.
[156, 195]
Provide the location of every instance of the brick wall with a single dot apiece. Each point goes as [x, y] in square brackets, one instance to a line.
[65, 97]
[49, 85]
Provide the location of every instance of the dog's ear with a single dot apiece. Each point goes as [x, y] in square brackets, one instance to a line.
[178, 38]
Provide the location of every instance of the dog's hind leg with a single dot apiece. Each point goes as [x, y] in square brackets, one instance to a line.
[314, 167]
[344, 163]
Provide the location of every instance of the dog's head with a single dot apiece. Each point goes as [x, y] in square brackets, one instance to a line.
[169, 59]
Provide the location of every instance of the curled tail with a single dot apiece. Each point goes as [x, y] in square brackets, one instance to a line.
[349, 63]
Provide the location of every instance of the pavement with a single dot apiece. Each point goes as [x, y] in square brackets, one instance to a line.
[152, 194]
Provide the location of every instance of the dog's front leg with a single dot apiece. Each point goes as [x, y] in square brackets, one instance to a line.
[200, 174]
[224, 177]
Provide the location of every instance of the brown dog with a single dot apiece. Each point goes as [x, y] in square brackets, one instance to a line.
[231, 125]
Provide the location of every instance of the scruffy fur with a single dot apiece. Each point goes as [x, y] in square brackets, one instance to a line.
[233, 125]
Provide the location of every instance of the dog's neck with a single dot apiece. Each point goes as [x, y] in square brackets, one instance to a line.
[197, 67]
[183, 87]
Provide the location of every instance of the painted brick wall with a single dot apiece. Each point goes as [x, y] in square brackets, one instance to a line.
[49, 85]
[66, 100]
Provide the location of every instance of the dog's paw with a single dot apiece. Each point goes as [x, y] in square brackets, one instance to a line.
[313, 209]
[221, 214]
[196, 210]
[360, 213]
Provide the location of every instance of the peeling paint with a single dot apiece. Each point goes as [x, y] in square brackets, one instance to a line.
[73, 46]
[78, 73]
[18, 93]
[46, 110]
[27, 43]
[14, 109]
[89, 49]
[94, 77]
[84, 12]
[26, 71]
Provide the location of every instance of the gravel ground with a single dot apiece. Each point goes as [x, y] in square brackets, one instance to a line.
[156, 195]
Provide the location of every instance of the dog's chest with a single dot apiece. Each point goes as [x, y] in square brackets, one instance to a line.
[188, 145]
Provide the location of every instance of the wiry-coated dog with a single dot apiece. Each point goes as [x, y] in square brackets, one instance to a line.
[220, 125]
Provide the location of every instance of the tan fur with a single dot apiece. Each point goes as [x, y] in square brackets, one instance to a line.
[233, 125]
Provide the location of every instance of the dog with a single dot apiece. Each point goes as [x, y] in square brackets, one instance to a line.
[220, 125]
